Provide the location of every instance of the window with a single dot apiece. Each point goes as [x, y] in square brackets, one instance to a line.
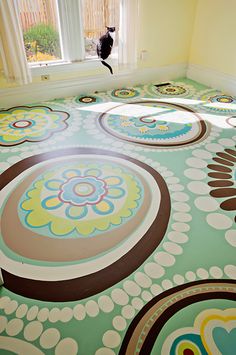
[66, 30]
[71, 35]
[39, 21]
[97, 14]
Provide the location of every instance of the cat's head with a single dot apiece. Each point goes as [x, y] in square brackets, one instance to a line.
[110, 29]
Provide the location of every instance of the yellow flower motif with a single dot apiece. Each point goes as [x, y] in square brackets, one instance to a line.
[143, 129]
[126, 124]
[82, 199]
[163, 127]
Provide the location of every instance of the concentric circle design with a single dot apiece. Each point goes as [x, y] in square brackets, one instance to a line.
[22, 124]
[86, 219]
[207, 336]
[224, 99]
[30, 124]
[87, 99]
[125, 93]
[68, 200]
[208, 333]
[162, 125]
[170, 90]
[218, 103]
[86, 198]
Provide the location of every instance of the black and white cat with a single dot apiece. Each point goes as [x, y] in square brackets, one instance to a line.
[105, 45]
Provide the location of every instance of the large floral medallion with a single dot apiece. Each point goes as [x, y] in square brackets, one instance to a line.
[217, 103]
[125, 93]
[194, 319]
[161, 124]
[93, 214]
[30, 124]
[87, 99]
[83, 199]
[169, 90]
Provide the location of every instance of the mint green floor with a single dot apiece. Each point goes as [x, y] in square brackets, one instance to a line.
[199, 243]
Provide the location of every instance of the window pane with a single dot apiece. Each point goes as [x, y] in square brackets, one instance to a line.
[97, 14]
[39, 20]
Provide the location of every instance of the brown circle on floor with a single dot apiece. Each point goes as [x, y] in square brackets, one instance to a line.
[85, 286]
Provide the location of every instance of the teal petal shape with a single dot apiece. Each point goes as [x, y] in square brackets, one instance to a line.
[225, 341]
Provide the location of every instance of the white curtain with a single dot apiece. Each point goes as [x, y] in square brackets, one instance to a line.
[128, 33]
[12, 51]
[71, 29]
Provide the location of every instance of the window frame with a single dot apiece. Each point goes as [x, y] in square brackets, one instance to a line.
[60, 67]
[72, 42]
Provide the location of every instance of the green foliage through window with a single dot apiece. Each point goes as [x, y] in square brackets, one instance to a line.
[44, 39]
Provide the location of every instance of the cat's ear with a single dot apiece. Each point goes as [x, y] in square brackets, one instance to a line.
[111, 29]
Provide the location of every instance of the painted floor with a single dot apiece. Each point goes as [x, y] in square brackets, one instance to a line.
[118, 223]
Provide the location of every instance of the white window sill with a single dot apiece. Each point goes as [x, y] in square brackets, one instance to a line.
[60, 66]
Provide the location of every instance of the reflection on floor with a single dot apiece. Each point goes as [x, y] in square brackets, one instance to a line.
[118, 223]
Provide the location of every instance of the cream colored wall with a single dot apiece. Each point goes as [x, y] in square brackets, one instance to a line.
[165, 31]
[213, 42]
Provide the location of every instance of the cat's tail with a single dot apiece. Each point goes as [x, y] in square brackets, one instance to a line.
[107, 65]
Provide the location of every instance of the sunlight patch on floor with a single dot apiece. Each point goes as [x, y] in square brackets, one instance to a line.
[118, 108]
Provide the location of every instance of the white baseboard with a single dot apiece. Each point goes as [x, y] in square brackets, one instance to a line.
[212, 78]
[42, 91]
